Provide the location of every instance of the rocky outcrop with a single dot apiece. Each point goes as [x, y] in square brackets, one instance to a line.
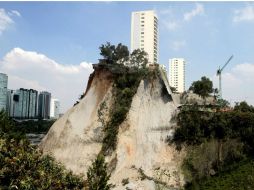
[142, 158]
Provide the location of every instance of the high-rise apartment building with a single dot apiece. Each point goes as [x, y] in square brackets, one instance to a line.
[22, 103]
[144, 33]
[44, 105]
[3, 91]
[177, 74]
[54, 108]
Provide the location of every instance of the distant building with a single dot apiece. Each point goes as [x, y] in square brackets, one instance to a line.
[177, 74]
[10, 103]
[44, 105]
[144, 33]
[22, 103]
[54, 108]
[3, 91]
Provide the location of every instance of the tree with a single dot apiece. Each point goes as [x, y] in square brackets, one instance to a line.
[138, 58]
[114, 54]
[121, 54]
[107, 52]
[202, 87]
[97, 177]
[223, 103]
[243, 107]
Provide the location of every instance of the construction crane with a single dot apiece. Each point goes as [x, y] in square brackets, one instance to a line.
[219, 73]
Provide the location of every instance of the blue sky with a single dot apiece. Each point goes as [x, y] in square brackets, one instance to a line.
[206, 34]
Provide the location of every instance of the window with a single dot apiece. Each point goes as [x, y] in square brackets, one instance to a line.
[142, 21]
[142, 32]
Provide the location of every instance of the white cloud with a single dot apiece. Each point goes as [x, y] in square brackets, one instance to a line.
[15, 12]
[177, 45]
[237, 84]
[199, 10]
[29, 69]
[171, 25]
[245, 14]
[5, 20]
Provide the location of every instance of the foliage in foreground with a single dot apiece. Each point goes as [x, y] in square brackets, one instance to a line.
[23, 167]
[97, 176]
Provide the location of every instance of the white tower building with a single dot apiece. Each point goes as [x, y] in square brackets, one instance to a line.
[177, 74]
[54, 108]
[144, 33]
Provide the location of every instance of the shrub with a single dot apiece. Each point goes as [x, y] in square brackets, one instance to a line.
[23, 167]
[97, 177]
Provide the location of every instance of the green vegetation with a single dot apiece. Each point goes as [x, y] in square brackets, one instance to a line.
[202, 87]
[199, 126]
[239, 178]
[34, 126]
[114, 54]
[125, 87]
[23, 167]
[119, 55]
[216, 142]
[138, 58]
[126, 82]
[97, 177]
[243, 107]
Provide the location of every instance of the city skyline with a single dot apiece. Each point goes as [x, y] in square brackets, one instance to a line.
[64, 42]
[27, 103]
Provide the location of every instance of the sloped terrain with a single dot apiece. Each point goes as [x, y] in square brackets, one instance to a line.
[142, 158]
[75, 138]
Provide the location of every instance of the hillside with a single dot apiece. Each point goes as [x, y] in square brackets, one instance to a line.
[126, 114]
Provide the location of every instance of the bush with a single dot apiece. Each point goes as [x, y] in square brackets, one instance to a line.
[23, 167]
[216, 143]
[97, 177]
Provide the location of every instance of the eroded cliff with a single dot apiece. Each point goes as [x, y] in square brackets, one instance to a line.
[141, 156]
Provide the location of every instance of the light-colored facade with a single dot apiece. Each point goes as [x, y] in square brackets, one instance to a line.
[54, 108]
[144, 33]
[3, 91]
[177, 74]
